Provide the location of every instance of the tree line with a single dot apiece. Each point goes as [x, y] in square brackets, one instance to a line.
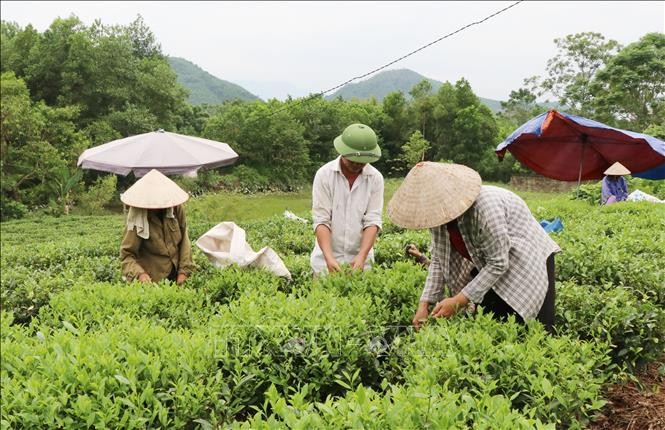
[74, 86]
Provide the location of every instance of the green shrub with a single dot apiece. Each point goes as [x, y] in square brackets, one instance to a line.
[136, 375]
[246, 180]
[291, 342]
[634, 328]
[554, 379]
[11, 209]
[97, 305]
[404, 407]
[588, 192]
[395, 290]
[99, 194]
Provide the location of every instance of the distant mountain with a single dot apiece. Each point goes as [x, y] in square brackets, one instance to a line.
[279, 90]
[384, 83]
[204, 87]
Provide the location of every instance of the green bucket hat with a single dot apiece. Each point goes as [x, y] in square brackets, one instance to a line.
[358, 143]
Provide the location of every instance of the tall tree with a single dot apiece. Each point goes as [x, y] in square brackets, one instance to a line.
[422, 106]
[36, 142]
[322, 122]
[395, 130]
[521, 105]
[103, 70]
[266, 137]
[571, 71]
[630, 90]
[474, 132]
[414, 150]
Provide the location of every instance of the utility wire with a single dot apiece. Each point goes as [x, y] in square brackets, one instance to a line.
[316, 95]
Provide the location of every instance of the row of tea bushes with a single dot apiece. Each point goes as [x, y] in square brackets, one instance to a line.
[26, 289]
[95, 306]
[621, 245]
[120, 365]
[242, 347]
[553, 378]
[133, 373]
[466, 373]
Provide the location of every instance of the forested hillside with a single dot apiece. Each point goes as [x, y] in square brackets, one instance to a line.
[205, 88]
[384, 83]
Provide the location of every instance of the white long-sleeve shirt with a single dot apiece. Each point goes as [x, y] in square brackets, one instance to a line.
[346, 212]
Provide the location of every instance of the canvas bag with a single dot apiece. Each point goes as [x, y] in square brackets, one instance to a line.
[225, 244]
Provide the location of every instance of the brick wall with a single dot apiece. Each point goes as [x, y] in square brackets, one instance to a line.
[541, 183]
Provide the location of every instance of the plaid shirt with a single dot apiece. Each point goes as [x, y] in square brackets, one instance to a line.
[507, 245]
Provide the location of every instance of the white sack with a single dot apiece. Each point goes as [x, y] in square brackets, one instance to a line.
[225, 244]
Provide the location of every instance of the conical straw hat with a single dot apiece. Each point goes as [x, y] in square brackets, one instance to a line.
[154, 191]
[433, 194]
[617, 169]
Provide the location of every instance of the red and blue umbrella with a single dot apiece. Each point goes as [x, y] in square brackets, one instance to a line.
[572, 148]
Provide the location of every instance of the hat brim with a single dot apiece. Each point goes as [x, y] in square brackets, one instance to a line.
[433, 194]
[617, 169]
[350, 154]
[154, 191]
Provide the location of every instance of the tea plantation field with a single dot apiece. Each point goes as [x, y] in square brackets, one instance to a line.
[240, 348]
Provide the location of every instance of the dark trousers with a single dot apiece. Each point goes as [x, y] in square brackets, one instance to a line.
[173, 275]
[492, 302]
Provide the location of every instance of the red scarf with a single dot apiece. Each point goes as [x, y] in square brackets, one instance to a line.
[456, 239]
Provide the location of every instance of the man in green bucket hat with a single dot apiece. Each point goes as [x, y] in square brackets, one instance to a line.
[347, 203]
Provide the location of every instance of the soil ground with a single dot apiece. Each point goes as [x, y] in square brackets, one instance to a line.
[636, 406]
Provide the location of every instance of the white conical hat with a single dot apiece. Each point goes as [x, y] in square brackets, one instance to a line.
[433, 194]
[154, 191]
[617, 169]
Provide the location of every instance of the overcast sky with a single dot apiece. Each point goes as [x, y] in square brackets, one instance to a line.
[308, 47]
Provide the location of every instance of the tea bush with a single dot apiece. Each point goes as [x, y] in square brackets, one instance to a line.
[96, 305]
[634, 328]
[408, 407]
[136, 375]
[554, 379]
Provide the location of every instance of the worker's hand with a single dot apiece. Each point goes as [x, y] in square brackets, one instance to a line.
[445, 308]
[144, 277]
[358, 263]
[413, 251]
[448, 307]
[421, 315]
[333, 265]
[181, 278]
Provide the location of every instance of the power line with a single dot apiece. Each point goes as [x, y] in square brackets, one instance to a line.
[316, 95]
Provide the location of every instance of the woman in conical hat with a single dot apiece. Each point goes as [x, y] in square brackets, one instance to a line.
[155, 244]
[486, 247]
[614, 187]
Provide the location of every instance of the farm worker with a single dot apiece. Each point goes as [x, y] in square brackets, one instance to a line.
[614, 188]
[155, 244]
[347, 203]
[486, 246]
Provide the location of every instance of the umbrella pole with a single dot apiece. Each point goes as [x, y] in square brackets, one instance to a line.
[579, 176]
